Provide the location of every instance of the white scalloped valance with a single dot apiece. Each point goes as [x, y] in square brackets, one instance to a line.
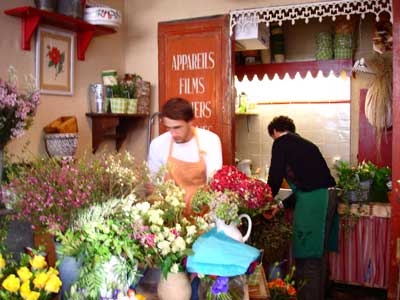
[307, 11]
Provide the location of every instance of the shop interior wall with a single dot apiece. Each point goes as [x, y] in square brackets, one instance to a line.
[132, 49]
[334, 131]
[104, 52]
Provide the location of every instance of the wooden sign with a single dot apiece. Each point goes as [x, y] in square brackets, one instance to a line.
[194, 64]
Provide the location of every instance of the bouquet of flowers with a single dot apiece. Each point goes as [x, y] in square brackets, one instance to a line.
[165, 235]
[49, 192]
[16, 109]
[283, 289]
[230, 192]
[30, 279]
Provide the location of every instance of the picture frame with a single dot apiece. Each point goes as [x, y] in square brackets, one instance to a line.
[55, 61]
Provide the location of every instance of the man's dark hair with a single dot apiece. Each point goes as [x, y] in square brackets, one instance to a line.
[281, 124]
[178, 109]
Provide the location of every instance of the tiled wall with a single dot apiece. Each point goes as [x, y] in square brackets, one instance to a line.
[326, 125]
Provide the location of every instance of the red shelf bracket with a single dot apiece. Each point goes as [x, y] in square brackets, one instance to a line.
[83, 40]
[29, 25]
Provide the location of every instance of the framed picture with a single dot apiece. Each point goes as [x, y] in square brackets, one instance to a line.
[55, 61]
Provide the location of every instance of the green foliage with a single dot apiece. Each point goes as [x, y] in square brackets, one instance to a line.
[95, 236]
[347, 176]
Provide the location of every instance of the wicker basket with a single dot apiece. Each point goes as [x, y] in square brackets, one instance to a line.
[61, 144]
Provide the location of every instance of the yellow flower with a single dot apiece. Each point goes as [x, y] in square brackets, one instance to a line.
[38, 262]
[11, 283]
[53, 284]
[52, 271]
[25, 289]
[40, 281]
[24, 274]
[33, 296]
[2, 262]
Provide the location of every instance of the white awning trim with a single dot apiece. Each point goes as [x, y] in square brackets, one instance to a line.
[307, 11]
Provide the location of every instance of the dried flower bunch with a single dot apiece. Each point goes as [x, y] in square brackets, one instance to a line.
[31, 279]
[16, 109]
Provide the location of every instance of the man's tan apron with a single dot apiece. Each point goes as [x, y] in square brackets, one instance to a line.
[187, 175]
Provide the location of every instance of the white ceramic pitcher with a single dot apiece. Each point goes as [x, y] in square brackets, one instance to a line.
[232, 231]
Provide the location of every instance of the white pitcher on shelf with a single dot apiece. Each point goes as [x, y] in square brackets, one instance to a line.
[232, 231]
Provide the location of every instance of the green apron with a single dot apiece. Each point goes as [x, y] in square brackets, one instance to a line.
[309, 222]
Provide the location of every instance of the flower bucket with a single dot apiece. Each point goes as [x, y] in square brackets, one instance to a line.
[69, 271]
[132, 106]
[118, 105]
[72, 8]
[49, 5]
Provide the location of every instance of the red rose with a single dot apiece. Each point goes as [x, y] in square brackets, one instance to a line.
[54, 55]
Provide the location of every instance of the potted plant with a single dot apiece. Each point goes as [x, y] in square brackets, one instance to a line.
[366, 173]
[381, 185]
[118, 101]
[130, 84]
[348, 182]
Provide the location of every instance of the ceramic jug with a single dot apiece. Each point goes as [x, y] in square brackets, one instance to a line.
[232, 231]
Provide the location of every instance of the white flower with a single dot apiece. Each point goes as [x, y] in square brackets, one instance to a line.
[159, 237]
[170, 237]
[191, 230]
[189, 240]
[155, 216]
[143, 207]
[155, 228]
[178, 245]
[175, 268]
[165, 248]
[178, 227]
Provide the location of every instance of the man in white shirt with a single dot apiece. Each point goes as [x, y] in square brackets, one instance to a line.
[190, 154]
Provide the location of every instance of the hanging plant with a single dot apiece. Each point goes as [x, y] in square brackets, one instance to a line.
[378, 102]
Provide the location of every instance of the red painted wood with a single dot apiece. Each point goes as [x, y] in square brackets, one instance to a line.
[212, 99]
[31, 18]
[367, 147]
[28, 27]
[395, 219]
[292, 68]
[83, 40]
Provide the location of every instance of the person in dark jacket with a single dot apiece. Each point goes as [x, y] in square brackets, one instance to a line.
[301, 163]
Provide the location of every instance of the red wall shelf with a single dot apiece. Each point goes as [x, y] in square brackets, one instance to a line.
[31, 18]
[291, 68]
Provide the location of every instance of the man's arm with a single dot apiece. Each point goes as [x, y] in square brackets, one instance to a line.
[213, 155]
[277, 168]
[154, 160]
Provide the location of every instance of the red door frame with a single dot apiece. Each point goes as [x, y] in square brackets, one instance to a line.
[395, 199]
